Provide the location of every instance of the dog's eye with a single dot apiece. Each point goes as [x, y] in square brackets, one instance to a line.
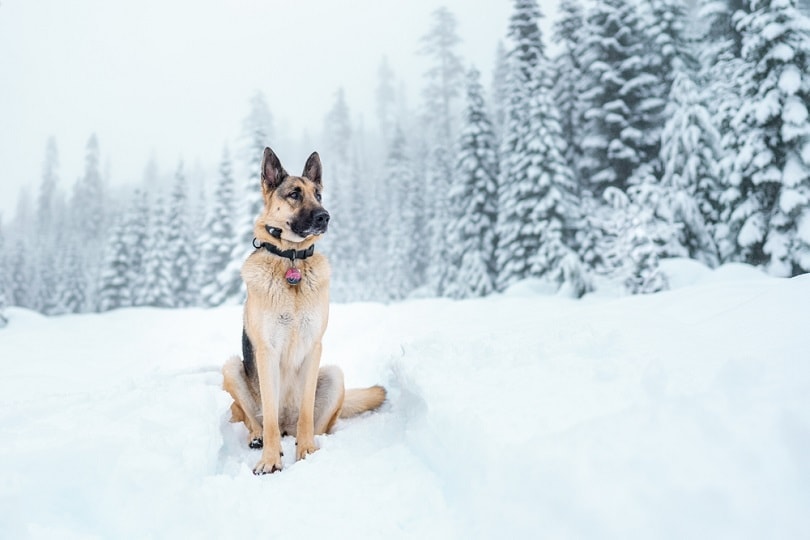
[294, 195]
[318, 197]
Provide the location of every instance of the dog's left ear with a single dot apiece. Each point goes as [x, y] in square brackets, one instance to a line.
[312, 169]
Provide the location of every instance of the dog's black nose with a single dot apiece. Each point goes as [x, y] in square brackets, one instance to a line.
[320, 218]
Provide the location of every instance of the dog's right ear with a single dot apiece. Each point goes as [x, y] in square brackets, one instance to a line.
[273, 174]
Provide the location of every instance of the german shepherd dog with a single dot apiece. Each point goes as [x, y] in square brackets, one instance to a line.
[278, 386]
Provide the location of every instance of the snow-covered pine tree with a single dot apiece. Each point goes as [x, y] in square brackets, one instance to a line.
[672, 50]
[568, 34]
[471, 269]
[717, 31]
[630, 245]
[136, 236]
[48, 187]
[386, 100]
[621, 128]
[69, 288]
[690, 183]
[719, 78]
[46, 255]
[258, 132]
[342, 242]
[20, 274]
[178, 242]
[769, 191]
[445, 82]
[667, 53]
[115, 290]
[22, 257]
[217, 251]
[445, 76]
[90, 222]
[500, 94]
[198, 239]
[155, 286]
[3, 276]
[403, 210]
[537, 214]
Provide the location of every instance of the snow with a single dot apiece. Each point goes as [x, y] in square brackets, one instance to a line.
[752, 231]
[803, 228]
[790, 81]
[794, 112]
[676, 415]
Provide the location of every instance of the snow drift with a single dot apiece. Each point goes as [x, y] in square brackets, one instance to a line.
[680, 414]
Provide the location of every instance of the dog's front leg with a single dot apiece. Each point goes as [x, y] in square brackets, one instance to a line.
[267, 362]
[305, 431]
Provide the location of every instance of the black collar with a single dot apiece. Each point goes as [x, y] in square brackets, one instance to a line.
[287, 254]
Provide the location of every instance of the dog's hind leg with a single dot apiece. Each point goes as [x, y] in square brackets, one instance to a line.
[328, 398]
[245, 406]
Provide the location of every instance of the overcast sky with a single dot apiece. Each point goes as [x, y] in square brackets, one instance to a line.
[173, 78]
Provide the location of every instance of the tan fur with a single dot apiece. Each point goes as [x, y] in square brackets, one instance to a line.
[285, 323]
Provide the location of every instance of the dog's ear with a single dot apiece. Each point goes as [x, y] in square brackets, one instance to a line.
[273, 174]
[312, 169]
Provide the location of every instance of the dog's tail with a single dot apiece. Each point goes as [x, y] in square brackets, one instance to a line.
[360, 400]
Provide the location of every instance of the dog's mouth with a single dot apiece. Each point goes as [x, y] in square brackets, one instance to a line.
[301, 229]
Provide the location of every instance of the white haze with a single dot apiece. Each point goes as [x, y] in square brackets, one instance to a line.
[173, 79]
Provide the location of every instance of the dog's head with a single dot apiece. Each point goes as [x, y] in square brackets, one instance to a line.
[292, 204]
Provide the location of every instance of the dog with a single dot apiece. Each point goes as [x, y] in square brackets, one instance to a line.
[278, 386]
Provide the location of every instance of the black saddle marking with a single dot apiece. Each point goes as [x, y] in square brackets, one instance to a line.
[248, 360]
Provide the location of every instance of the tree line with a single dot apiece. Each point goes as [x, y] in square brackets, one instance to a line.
[653, 131]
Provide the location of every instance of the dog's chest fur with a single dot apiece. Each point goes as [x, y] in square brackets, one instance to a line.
[289, 319]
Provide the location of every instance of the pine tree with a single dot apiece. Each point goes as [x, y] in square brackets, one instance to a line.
[69, 288]
[89, 196]
[622, 100]
[258, 131]
[22, 289]
[718, 34]
[221, 234]
[155, 286]
[537, 215]
[47, 190]
[720, 80]
[115, 290]
[20, 274]
[136, 236]
[670, 39]
[46, 256]
[769, 189]
[445, 80]
[3, 277]
[199, 242]
[386, 97]
[401, 270]
[90, 222]
[631, 236]
[568, 76]
[500, 90]
[690, 155]
[178, 242]
[471, 268]
[445, 77]
[341, 241]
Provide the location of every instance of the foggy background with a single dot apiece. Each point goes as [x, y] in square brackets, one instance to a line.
[173, 80]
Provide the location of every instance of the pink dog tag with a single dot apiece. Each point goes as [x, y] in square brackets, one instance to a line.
[293, 276]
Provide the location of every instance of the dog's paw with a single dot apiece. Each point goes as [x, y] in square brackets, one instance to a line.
[268, 465]
[255, 442]
[304, 448]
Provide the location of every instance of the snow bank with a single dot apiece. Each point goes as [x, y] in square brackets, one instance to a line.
[675, 415]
